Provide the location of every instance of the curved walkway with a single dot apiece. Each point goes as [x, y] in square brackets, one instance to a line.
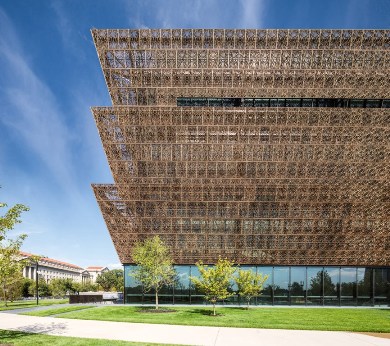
[187, 335]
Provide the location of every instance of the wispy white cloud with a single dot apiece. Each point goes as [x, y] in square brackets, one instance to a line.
[65, 27]
[62, 21]
[252, 16]
[115, 266]
[17, 233]
[33, 112]
[196, 14]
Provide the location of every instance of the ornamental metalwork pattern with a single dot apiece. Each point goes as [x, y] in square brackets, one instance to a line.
[260, 185]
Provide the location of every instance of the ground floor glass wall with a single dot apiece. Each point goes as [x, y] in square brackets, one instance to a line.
[295, 285]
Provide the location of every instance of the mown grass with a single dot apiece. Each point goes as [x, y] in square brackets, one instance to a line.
[23, 304]
[336, 319]
[55, 311]
[17, 338]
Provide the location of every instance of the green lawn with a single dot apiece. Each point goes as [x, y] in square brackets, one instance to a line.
[54, 311]
[342, 319]
[22, 304]
[9, 337]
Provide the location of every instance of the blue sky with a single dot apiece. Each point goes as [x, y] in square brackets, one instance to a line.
[50, 151]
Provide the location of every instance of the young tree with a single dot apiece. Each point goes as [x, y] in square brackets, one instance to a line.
[13, 289]
[249, 284]
[112, 279]
[11, 265]
[10, 218]
[215, 281]
[155, 265]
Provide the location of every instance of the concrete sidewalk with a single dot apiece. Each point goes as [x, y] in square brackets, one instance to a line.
[187, 335]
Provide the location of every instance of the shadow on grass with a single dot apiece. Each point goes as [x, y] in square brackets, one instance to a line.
[37, 328]
[11, 305]
[152, 310]
[7, 335]
[205, 312]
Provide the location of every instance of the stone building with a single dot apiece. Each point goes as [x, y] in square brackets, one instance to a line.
[49, 268]
[95, 271]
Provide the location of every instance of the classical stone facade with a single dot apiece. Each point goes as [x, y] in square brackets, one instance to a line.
[95, 271]
[49, 268]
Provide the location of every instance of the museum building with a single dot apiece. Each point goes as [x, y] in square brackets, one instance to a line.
[268, 147]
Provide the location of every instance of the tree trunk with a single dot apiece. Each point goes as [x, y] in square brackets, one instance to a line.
[247, 304]
[156, 300]
[5, 296]
[213, 308]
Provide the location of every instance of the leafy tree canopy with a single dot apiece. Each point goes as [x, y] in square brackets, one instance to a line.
[111, 280]
[215, 282]
[61, 287]
[155, 265]
[249, 284]
[11, 265]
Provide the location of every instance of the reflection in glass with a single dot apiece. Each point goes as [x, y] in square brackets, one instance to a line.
[285, 285]
[281, 285]
[133, 290]
[196, 297]
[182, 285]
[348, 286]
[331, 285]
[298, 285]
[266, 297]
[365, 289]
[314, 285]
[382, 286]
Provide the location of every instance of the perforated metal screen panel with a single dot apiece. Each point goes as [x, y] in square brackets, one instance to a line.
[274, 184]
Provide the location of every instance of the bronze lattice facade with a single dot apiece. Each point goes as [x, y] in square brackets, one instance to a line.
[267, 147]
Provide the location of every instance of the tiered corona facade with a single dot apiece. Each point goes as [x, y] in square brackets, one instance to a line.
[267, 147]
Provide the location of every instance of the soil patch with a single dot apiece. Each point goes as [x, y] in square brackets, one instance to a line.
[154, 311]
[378, 335]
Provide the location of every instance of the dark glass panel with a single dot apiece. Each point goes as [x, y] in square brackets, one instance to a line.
[356, 103]
[275, 103]
[365, 289]
[281, 285]
[348, 286]
[261, 103]
[298, 285]
[314, 285]
[182, 285]
[293, 102]
[133, 290]
[282, 102]
[382, 286]
[202, 102]
[215, 102]
[228, 102]
[343, 103]
[165, 295]
[248, 102]
[196, 297]
[307, 102]
[181, 102]
[331, 283]
[373, 103]
[266, 297]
